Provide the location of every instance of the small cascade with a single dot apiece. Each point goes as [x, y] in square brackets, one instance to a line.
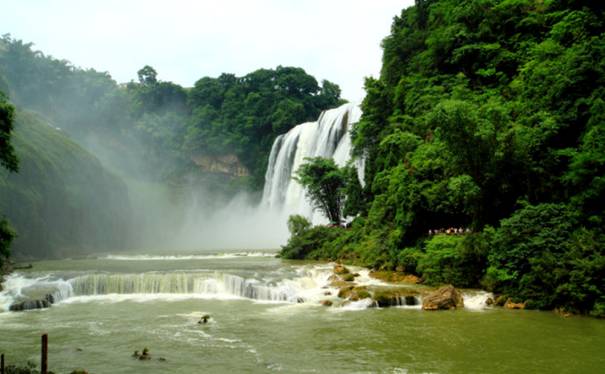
[329, 137]
[476, 299]
[305, 285]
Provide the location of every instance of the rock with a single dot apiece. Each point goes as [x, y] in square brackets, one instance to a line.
[327, 293]
[29, 304]
[563, 313]
[394, 277]
[203, 319]
[79, 371]
[354, 293]
[300, 300]
[388, 296]
[446, 297]
[348, 277]
[340, 284]
[162, 359]
[489, 301]
[510, 305]
[345, 291]
[145, 355]
[50, 298]
[340, 269]
[500, 300]
[326, 303]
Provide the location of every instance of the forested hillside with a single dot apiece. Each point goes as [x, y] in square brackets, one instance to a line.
[61, 201]
[155, 128]
[178, 149]
[487, 118]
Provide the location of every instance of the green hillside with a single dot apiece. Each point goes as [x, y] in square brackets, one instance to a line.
[62, 200]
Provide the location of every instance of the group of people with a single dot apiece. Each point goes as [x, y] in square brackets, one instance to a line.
[450, 231]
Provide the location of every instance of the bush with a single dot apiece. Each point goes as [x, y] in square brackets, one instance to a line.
[542, 254]
[457, 260]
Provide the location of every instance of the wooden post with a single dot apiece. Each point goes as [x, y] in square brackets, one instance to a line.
[44, 358]
[2, 363]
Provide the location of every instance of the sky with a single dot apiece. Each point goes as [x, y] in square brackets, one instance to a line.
[185, 40]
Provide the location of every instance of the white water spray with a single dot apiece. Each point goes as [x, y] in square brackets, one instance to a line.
[329, 137]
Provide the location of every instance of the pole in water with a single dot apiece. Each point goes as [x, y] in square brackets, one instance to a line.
[2, 363]
[44, 358]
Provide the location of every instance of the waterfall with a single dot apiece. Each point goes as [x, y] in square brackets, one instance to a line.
[329, 137]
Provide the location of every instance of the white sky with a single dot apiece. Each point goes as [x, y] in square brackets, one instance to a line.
[184, 40]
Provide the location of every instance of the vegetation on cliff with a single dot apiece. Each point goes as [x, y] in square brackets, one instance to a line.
[161, 123]
[62, 200]
[9, 161]
[486, 123]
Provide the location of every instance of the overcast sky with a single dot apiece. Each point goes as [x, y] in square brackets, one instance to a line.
[338, 40]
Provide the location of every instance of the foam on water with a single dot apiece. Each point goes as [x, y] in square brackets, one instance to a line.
[476, 300]
[214, 256]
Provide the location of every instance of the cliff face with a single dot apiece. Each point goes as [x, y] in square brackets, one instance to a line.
[62, 201]
[228, 165]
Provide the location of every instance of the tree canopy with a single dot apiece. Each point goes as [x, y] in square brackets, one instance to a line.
[487, 116]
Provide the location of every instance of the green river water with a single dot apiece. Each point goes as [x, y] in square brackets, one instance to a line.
[114, 306]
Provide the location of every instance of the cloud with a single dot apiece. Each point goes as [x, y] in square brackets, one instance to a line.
[184, 40]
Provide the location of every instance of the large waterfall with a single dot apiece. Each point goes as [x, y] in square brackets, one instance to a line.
[329, 137]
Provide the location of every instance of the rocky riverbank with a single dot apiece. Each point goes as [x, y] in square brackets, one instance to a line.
[388, 289]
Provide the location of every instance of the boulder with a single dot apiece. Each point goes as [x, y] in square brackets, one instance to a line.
[348, 277]
[394, 277]
[326, 303]
[29, 304]
[500, 300]
[354, 293]
[389, 296]
[510, 305]
[340, 269]
[345, 291]
[446, 297]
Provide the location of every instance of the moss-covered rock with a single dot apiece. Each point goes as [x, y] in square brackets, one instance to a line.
[394, 296]
[446, 297]
[341, 269]
[394, 277]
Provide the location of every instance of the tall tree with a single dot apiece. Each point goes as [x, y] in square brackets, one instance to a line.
[8, 159]
[324, 182]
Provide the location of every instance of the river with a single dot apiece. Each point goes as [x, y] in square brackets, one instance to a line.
[266, 317]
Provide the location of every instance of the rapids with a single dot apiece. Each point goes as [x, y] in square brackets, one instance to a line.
[266, 316]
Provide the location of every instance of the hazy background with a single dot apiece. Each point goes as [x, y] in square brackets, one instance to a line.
[338, 40]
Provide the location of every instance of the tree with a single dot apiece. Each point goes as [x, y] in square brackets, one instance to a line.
[8, 159]
[147, 76]
[324, 182]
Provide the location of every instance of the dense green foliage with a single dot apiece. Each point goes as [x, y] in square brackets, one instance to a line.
[155, 128]
[488, 115]
[149, 132]
[324, 183]
[8, 160]
[62, 201]
[245, 114]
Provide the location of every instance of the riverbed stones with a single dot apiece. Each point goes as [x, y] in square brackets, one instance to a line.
[510, 305]
[446, 297]
[394, 296]
[394, 277]
[29, 305]
[340, 269]
[326, 303]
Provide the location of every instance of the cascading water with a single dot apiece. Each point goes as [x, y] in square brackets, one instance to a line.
[329, 137]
